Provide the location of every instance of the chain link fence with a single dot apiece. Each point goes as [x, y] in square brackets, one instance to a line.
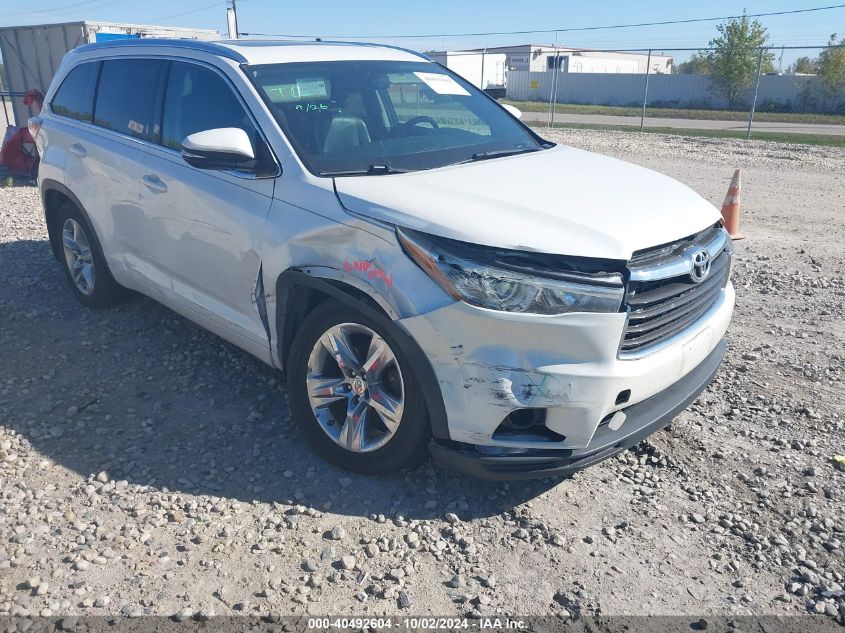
[7, 100]
[783, 93]
[764, 92]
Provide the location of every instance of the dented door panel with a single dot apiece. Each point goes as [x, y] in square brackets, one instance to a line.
[200, 242]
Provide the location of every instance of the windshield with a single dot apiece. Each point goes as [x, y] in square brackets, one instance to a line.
[378, 117]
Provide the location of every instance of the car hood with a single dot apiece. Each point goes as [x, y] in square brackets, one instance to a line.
[562, 200]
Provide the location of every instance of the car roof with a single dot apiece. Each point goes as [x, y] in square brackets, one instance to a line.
[247, 51]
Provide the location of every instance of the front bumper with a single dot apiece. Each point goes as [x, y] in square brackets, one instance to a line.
[643, 419]
[489, 364]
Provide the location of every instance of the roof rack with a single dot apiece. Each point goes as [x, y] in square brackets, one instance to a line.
[374, 45]
[320, 42]
[196, 45]
[225, 50]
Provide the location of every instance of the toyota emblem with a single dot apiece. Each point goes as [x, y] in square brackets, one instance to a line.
[700, 266]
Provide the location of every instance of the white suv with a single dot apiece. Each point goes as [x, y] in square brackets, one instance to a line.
[431, 274]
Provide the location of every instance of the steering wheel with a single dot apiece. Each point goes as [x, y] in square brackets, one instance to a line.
[422, 119]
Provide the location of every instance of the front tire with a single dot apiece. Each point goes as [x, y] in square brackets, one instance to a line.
[353, 394]
[83, 260]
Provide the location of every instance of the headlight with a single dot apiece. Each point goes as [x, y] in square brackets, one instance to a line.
[498, 287]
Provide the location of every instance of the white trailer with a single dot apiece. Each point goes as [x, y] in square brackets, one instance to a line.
[32, 54]
[483, 70]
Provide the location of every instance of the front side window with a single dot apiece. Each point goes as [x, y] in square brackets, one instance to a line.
[129, 97]
[350, 117]
[75, 97]
[198, 99]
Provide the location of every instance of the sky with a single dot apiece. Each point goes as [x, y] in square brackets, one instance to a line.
[397, 17]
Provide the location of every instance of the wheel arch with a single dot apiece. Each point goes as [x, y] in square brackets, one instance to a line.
[53, 194]
[300, 291]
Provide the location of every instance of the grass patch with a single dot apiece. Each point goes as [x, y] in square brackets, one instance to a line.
[681, 113]
[778, 137]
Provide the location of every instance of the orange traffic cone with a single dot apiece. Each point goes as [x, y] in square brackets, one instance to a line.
[730, 208]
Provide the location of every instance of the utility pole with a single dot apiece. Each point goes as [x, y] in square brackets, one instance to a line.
[232, 19]
[645, 91]
[553, 89]
[756, 91]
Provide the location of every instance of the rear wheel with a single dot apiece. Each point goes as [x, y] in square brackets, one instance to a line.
[353, 394]
[83, 260]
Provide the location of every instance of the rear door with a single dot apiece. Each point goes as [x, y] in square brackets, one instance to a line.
[202, 231]
[104, 163]
[70, 112]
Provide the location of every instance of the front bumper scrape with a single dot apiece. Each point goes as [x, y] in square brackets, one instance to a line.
[642, 419]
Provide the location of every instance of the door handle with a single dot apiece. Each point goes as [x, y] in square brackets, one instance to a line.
[77, 149]
[154, 183]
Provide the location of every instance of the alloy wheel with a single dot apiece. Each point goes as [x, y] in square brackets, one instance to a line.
[355, 387]
[78, 256]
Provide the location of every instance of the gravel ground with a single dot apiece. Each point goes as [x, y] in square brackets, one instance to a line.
[147, 467]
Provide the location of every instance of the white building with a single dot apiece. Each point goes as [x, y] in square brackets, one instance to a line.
[538, 58]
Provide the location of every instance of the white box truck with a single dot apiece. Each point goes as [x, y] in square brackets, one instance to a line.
[483, 70]
[32, 54]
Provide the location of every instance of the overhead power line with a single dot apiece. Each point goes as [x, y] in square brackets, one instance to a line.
[566, 30]
[85, 6]
[35, 12]
[219, 3]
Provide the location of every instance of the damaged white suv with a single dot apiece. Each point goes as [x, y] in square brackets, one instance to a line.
[432, 276]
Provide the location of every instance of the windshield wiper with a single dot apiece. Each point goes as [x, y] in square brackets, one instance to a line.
[498, 153]
[372, 170]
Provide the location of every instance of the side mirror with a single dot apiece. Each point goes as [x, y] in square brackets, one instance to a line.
[514, 112]
[221, 148]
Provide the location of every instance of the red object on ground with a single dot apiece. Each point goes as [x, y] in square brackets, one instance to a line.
[18, 153]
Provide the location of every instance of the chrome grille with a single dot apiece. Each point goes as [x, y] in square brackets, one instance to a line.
[662, 299]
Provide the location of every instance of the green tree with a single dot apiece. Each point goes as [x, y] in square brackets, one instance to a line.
[734, 56]
[697, 64]
[805, 66]
[831, 68]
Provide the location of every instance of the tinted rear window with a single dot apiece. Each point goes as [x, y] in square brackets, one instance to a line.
[129, 97]
[75, 96]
